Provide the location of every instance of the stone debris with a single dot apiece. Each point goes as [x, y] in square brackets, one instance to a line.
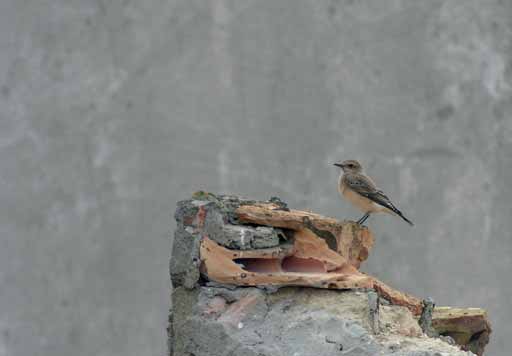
[241, 271]
[293, 321]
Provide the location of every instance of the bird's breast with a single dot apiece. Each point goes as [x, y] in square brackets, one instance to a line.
[341, 186]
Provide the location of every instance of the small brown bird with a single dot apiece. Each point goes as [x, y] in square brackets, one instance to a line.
[360, 190]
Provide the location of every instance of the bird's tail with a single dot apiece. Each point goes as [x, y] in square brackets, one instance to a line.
[403, 217]
[399, 213]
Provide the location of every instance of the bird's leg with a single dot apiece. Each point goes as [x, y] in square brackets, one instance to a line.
[363, 219]
[366, 218]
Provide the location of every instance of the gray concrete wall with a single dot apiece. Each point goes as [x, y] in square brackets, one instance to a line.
[111, 111]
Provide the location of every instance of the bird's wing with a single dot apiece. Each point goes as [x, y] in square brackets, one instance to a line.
[364, 186]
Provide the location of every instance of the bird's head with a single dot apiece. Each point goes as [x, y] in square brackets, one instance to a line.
[350, 166]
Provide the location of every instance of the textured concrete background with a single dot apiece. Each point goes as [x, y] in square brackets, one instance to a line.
[111, 111]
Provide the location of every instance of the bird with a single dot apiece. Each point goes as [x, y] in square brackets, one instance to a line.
[361, 191]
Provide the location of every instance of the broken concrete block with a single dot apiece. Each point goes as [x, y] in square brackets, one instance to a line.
[293, 321]
[185, 260]
[468, 327]
[241, 271]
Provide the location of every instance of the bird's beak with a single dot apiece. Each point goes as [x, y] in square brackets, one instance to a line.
[338, 165]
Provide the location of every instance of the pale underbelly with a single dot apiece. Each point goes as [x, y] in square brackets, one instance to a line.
[362, 203]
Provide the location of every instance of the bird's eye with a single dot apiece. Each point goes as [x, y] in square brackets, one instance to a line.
[351, 166]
